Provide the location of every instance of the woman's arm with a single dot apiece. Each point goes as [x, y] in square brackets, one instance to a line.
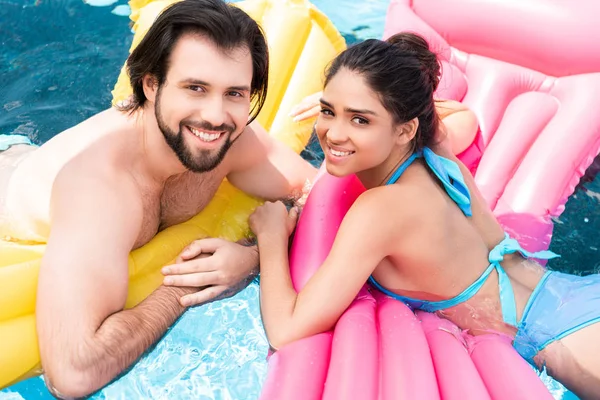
[362, 242]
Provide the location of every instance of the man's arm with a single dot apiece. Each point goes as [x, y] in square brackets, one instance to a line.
[460, 123]
[85, 338]
[264, 167]
[261, 166]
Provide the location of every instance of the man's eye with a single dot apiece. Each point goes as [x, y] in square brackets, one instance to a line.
[235, 94]
[196, 88]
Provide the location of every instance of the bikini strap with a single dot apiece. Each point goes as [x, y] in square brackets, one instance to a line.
[507, 296]
[509, 245]
[447, 171]
[394, 178]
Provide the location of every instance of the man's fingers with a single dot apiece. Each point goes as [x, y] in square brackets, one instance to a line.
[194, 249]
[201, 264]
[208, 245]
[306, 114]
[202, 296]
[301, 107]
[307, 103]
[197, 247]
[192, 280]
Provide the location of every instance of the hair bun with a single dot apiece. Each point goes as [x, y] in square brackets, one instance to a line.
[418, 46]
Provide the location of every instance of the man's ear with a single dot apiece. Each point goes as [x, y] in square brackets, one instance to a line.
[407, 131]
[150, 85]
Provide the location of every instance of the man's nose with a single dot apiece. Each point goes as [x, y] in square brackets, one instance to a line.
[213, 111]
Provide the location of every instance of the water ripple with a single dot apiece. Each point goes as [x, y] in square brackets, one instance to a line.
[213, 352]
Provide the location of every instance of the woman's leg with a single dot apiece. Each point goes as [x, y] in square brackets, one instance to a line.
[574, 361]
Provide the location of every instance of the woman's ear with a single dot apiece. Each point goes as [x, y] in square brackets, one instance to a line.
[150, 86]
[407, 131]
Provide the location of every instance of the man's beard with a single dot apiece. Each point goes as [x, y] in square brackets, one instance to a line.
[204, 160]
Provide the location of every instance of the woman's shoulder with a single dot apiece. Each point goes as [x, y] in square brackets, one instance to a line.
[392, 203]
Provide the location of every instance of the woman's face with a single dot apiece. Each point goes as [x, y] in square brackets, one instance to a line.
[357, 134]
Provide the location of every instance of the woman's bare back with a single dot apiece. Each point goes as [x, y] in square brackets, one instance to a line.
[446, 252]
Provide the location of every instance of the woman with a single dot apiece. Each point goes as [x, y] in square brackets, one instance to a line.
[424, 219]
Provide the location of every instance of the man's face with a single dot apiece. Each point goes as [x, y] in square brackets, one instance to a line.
[204, 103]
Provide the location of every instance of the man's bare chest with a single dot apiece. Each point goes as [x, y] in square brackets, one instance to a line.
[181, 199]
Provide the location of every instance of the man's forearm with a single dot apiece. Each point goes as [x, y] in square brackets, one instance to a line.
[125, 335]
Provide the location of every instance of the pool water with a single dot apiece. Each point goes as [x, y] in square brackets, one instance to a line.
[213, 352]
[58, 63]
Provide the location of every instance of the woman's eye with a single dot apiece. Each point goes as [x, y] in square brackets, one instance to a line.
[360, 120]
[235, 94]
[325, 111]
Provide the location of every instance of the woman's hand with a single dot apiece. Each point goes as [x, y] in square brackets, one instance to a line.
[273, 218]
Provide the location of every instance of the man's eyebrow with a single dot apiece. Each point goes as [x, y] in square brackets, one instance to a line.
[194, 81]
[243, 88]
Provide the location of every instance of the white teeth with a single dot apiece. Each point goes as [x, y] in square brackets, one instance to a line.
[339, 153]
[207, 137]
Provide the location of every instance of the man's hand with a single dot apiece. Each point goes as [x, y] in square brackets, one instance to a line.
[308, 108]
[217, 267]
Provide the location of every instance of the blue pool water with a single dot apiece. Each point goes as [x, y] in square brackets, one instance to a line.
[58, 63]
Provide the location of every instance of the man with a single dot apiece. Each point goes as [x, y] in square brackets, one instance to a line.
[109, 184]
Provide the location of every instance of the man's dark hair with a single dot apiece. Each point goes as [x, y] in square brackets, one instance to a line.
[226, 25]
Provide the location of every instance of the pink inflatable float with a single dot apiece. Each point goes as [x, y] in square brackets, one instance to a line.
[530, 70]
[380, 349]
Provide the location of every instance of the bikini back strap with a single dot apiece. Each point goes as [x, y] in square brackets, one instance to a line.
[507, 296]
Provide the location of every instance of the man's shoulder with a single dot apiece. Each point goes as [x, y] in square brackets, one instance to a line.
[250, 147]
[90, 135]
[80, 175]
[252, 135]
[96, 155]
